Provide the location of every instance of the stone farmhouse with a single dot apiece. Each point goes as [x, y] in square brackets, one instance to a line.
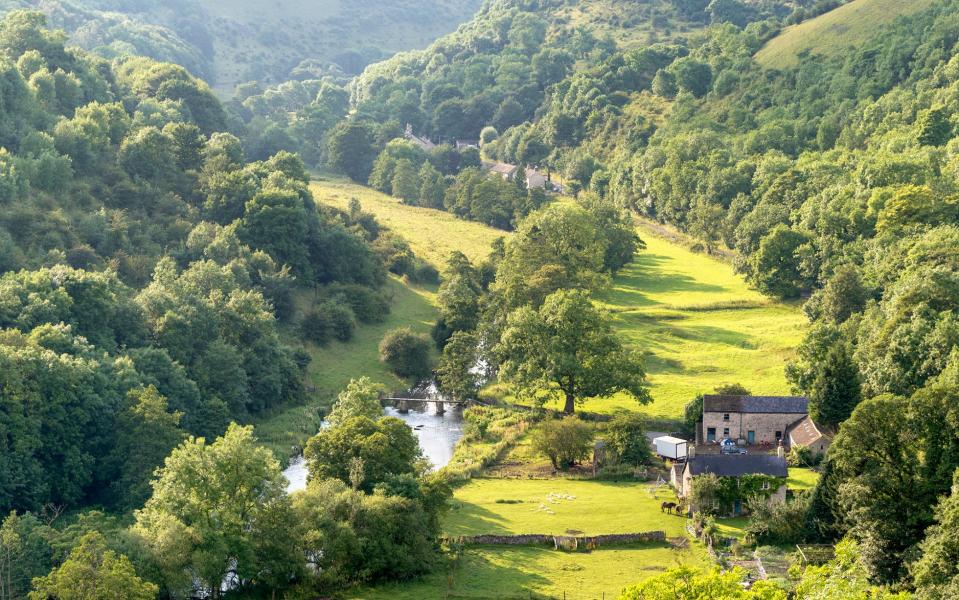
[735, 466]
[767, 421]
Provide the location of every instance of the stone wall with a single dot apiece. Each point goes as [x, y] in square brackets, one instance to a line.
[566, 542]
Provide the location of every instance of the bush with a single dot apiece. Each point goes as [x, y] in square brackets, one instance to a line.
[407, 353]
[564, 442]
[801, 456]
[369, 305]
[626, 439]
[773, 522]
[424, 272]
[327, 321]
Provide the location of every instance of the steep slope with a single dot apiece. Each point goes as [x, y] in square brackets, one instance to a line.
[833, 32]
[237, 41]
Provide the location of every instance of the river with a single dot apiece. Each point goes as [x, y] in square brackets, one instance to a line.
[437, 434]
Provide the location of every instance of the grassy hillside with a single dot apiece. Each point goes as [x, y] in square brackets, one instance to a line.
[701, 326]
[433, 234]
[831, 33]
[243, 40]
[699, 322]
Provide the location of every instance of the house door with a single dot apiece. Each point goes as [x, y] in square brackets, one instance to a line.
[751, 437]
[711, 434]
[738, 507]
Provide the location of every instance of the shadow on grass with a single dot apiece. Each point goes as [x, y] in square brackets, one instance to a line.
[649, 275]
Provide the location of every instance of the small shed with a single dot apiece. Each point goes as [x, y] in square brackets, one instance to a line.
[671, 447]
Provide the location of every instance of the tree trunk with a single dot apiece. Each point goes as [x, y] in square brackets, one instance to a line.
[570, 407]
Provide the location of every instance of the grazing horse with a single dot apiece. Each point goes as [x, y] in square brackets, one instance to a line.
[668, 507]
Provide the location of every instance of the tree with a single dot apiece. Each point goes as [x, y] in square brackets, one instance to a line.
[407, 353]
[664, 84]
[406, 182]
[843, 577]
[25, 554]
[705, 222]
[935, 129]
[209, 512]
[565, 442]
[386, 447]
[626, 438]
[455, 373]
[557, 247]
[836, 389]
[704, 493]
[570, 345]
[692, 76]
[685, 583]
[842, 296]
[92, 572]
[936, 572]
[432, 187]
[146, 433]
[776, 265]
[361, 398]
[350, 150]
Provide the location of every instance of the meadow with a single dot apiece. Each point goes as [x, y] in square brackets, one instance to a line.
[551, 506]
[698, 322]
[699, 325]
[559, 507]
[831, 33]
[433, 234]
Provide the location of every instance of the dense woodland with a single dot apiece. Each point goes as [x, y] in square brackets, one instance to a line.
[156, 247]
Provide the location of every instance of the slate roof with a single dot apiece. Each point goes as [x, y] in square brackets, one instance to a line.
[804, 432]
[736, 465]
[504, 169]
[756, 404]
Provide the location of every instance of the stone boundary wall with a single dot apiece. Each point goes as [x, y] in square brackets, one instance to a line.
[567, 542]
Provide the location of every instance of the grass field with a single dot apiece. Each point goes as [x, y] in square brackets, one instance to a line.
[833, 32]
[559, 506]
[433, 234]
[699, 322]
[551, 506]
[522, 573]
[700, 325]
[802, 479]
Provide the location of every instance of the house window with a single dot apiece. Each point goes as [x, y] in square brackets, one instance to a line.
[726, 417]
[779, 435]
[711, 434]
[765, 485]
[725, 431]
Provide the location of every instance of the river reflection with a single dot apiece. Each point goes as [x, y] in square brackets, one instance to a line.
[437, 435]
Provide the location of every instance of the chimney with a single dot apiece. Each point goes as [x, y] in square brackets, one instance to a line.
[780, 451]
[690, 451]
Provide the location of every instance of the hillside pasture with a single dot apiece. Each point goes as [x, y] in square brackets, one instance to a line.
[836, 31]
[699, 325]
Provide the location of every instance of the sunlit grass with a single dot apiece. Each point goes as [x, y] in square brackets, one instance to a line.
[433, 234]
[700, 326]
[802, 479]
[521, 573]
[836, 31]
[560, 506]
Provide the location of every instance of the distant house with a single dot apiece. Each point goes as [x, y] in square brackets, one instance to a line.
[750, 419]
[506, 171]
[734, 466]
[466, 144]
[536, 180]
[807, 434]
[423, 143]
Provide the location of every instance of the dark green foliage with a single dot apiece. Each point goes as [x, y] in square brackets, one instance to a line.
[626, 438]
[406, 353]
[835, 390]
[385, 448]
[350, 150]
[565, 442]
